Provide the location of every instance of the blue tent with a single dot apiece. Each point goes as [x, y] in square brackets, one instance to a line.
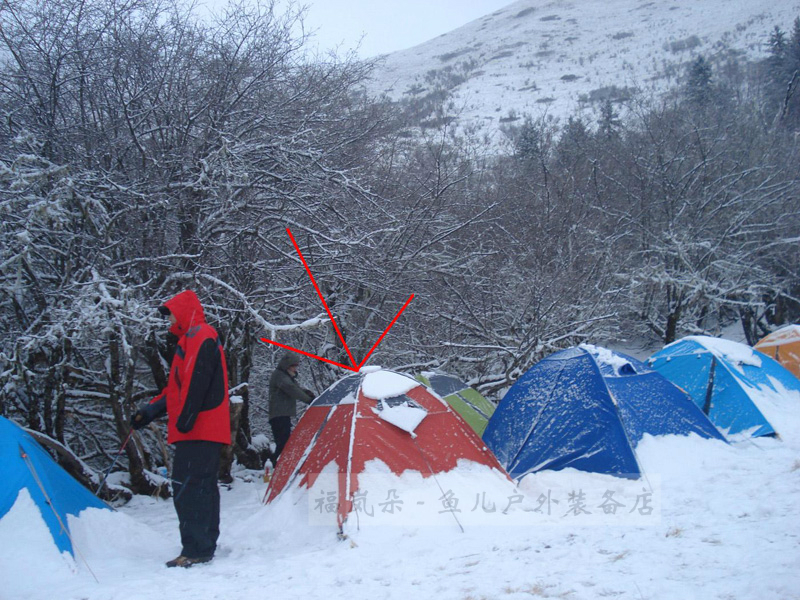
[25, 464]
[587, 408]
[723, 378]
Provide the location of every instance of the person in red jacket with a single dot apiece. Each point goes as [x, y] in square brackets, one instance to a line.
[198, 424]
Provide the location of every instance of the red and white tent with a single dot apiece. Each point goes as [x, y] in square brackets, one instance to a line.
[372, 417]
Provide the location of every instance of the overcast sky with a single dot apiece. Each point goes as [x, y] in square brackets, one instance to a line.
[387, 25]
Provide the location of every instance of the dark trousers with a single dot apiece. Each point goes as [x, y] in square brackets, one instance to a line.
[281, 430]
[194, 487]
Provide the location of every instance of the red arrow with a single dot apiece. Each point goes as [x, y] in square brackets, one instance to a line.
[355, 367]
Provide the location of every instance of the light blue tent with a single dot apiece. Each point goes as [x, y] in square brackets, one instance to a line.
[725, 379]
[587, 408]
[25, 464]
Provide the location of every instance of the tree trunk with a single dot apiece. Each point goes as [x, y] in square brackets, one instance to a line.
[139, 483]
[746, 317]
[228, 451]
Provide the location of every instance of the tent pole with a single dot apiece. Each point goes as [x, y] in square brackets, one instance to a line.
[116, 458]
[349, 469]
[631, 445]
[710, 387]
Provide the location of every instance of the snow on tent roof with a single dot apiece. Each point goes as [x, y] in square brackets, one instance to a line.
[404, 414]
[733, 352]
[587, 408]
[343, 432]
[733, 384]
[610, 363]
[386, 384]
[55, 492]
[788, 333]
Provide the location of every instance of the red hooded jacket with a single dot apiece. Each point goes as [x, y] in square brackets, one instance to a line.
[196, 396]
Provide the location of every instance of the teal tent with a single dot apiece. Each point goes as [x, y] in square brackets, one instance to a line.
[25, 464]
[727, 380]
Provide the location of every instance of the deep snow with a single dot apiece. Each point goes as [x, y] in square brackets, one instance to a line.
[721, 521]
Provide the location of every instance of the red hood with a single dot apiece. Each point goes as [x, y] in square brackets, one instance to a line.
[187, 310]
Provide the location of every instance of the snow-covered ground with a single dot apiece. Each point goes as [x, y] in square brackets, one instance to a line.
[710, 520]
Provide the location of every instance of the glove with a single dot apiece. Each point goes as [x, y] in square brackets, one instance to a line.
[148, 412]
[142, 417]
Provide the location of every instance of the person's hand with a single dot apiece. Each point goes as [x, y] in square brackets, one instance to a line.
[141, 418]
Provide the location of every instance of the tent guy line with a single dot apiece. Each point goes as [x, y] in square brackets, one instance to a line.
[355, 367]
[49, 502]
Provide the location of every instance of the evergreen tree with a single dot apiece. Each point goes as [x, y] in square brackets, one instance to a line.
[698, 84]
[783, 74]
[609, 123]
[777, 60]
[777, 47]
[793, 50]
[530, 140]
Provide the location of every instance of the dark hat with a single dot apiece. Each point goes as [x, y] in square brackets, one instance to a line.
[289, 359]
[164, 310]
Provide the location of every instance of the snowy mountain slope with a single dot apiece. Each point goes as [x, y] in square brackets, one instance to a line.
[553, 58]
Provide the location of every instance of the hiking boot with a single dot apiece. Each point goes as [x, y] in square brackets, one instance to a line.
[186, 562]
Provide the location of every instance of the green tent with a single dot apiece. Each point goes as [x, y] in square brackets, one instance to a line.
[467, 402]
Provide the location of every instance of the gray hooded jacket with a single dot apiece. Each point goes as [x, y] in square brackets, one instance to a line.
[284, 391]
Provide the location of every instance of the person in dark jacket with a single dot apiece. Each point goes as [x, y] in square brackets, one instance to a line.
[284, 393]
[198, 424]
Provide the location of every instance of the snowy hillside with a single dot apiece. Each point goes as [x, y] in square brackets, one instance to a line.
[553, 58]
